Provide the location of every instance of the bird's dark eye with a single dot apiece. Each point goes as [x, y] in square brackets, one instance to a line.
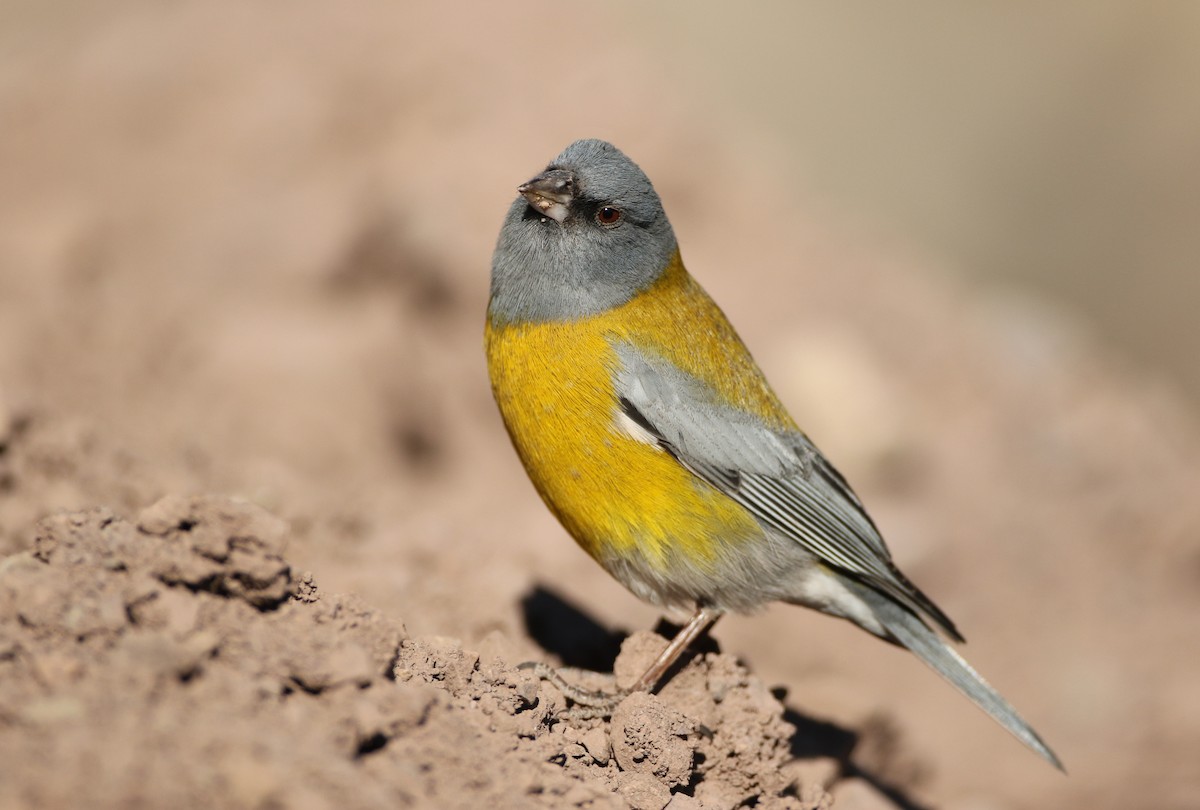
[608, 215]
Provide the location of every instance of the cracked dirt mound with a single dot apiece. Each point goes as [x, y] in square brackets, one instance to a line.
[216, 675]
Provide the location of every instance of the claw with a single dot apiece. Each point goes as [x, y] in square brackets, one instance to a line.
[588, 704]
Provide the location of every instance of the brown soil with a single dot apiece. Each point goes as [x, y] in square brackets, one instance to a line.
[177, 660]
[244, 250]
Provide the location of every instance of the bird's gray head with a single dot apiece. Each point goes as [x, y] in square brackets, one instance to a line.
[582, 237]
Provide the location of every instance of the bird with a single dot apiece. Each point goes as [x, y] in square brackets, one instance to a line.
[652, 435]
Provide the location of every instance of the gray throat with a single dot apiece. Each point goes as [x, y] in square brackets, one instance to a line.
[541, 271]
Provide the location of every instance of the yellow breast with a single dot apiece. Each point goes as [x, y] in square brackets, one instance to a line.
[613, 493]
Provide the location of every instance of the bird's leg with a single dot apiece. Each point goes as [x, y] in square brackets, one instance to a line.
[701, 620]
[601, 704]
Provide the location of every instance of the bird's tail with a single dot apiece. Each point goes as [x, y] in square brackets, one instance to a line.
[915, 635]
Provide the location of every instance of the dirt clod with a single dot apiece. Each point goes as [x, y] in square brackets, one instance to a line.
[650, 737]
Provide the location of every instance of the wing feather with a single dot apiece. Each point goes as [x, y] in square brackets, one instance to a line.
[778, 476]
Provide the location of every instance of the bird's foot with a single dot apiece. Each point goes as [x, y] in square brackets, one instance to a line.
[588, 704]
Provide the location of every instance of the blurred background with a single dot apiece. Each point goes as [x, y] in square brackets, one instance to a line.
[244, 248]
[1046, 149]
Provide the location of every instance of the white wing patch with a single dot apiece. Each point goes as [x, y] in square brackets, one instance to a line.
[633, 430]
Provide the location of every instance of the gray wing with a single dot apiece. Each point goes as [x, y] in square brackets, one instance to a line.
[779, 477]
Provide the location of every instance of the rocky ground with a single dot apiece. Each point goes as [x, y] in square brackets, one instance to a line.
[178, 660]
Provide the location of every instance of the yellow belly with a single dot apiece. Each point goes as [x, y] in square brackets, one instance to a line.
[615, 494]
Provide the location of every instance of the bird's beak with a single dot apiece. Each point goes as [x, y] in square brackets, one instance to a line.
[551, 192]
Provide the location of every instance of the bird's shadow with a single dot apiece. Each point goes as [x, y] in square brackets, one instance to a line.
[568, 632]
